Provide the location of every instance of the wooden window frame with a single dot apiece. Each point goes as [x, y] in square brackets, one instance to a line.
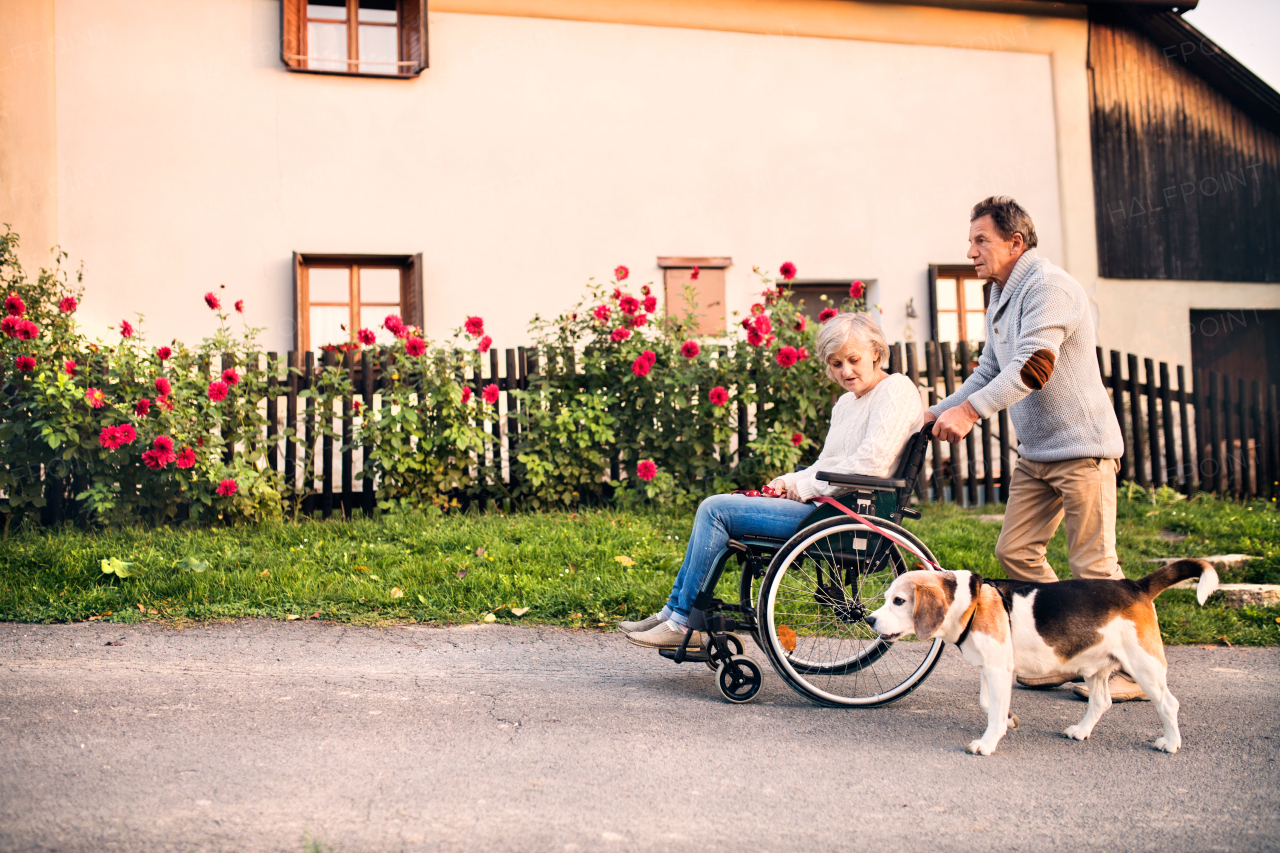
[410, 288]
[678, 271]
[411, 21]
[959, 272]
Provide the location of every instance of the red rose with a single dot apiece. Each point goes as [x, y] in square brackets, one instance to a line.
[415, 346]
[644, 291]
[827, 314]
[787, 271]
[484, 344]
[802, 323]
[227, 488]
[787, 356]
[163, 443]
[466, 396]
[95, 398]
[757, 309]
[629, 305]
[617, 294]
[690, 349]
[718, 396]
[67, 304]
[239, 306]
[142, 407]
[154, 459]
[218, 391]
[230, 376]
[356, 406]
[69, 367]
[797, 439]
[25, 363]
[856, 290]
[28, 331]
[163, 353]
[474, 326]
[602, 313]
[804, 353]
[127, 433]
[755, 338]
[366, 337]
[186, 458]
[639, 321]
[14, 305]
[650, 304]
[490, 394]
[646, 470]
[620, 273]
[763, 325]
[10, 326]
[696, 272]
[126, 329]
[650, 356]
[619, 335]
[163, 386]
[211, 299]
[641, 366]
[393, 324]
[109, 438]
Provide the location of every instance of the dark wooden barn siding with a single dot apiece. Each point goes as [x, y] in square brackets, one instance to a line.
[1187, 185]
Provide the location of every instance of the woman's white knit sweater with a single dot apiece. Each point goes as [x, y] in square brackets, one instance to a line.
[868, 435]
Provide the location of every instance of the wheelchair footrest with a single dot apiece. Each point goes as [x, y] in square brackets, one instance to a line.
[690, 656]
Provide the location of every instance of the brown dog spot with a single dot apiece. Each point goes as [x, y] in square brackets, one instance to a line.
[990, 618]
[1143, 616]
[931, 605]
[1037, 369]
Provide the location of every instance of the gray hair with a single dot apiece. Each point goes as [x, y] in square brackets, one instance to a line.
[851, 327]
[1009, 217]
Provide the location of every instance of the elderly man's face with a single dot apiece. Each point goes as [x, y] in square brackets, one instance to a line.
[993, 256]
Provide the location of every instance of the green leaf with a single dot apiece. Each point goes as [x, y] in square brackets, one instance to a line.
[121, 569]
[191, 564]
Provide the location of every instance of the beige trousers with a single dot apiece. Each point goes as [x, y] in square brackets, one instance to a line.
[1041, 494]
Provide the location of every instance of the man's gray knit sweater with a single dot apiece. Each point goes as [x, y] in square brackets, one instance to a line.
[1042, 308]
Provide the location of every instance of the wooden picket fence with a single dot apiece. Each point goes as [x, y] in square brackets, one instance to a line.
[1218, 436]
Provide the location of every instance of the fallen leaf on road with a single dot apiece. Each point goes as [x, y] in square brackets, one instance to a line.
[121, 569]
[519, 611]
[489, 617]
[191, 564]
[315, 615]
[142, 608]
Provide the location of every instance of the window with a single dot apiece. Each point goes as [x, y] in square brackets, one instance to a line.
[958, 300]
[708, 291]
[379, 38]
[812, 292]
[337, 295]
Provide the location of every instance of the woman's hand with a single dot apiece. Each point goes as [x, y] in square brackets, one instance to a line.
[780, 489]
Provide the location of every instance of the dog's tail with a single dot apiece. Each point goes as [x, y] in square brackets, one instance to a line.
[1166, 576]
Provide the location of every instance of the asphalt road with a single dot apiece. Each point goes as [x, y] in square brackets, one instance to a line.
[254, 736]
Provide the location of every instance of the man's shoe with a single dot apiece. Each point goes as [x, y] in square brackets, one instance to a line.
[1121, 687]
[662, 637]
[1046, 682]
[643, 625]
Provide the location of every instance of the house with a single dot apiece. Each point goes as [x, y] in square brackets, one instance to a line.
[490, 156]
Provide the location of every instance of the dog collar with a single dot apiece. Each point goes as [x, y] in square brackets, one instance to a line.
[964, 635]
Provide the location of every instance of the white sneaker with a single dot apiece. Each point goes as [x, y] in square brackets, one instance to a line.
[664, 637]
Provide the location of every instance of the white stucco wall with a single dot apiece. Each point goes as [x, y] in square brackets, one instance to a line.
[532, 155]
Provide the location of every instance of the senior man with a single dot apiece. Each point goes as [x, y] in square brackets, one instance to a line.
[1040, 363]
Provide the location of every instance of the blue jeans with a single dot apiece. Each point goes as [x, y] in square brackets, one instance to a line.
[719, 519]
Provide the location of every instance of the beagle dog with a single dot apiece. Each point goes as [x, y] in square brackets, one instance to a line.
[1075, 627]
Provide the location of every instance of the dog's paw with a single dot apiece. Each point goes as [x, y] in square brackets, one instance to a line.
[1169, 745]
[1013, 722]
[1076, 732]
[977, 747]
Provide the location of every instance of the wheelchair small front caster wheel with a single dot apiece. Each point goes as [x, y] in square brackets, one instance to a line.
[738, 679]
[713, 657]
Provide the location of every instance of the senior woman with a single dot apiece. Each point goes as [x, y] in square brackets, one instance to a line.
[870, 426]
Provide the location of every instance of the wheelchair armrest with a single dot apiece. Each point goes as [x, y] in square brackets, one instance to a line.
[880, 483]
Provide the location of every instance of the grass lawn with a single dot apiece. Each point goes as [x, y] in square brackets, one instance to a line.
[584, 569]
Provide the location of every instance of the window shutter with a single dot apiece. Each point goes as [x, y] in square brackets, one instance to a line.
[413, 34]
[411, 292]
[292, 23]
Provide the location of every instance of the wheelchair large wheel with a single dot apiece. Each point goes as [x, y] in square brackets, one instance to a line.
[813, 602]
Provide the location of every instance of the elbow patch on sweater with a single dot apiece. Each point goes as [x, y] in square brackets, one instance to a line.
[1038, 369]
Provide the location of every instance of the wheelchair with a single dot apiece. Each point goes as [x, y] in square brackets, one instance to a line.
[804, 600]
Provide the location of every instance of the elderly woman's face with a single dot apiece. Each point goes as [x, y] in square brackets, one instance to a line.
[855, 368]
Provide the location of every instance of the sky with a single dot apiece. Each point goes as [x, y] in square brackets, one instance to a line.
[1249, 30]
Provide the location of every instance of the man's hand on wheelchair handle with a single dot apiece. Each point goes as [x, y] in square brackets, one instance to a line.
[955, 423]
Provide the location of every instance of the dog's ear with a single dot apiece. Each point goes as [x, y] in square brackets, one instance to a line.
[929, 610]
